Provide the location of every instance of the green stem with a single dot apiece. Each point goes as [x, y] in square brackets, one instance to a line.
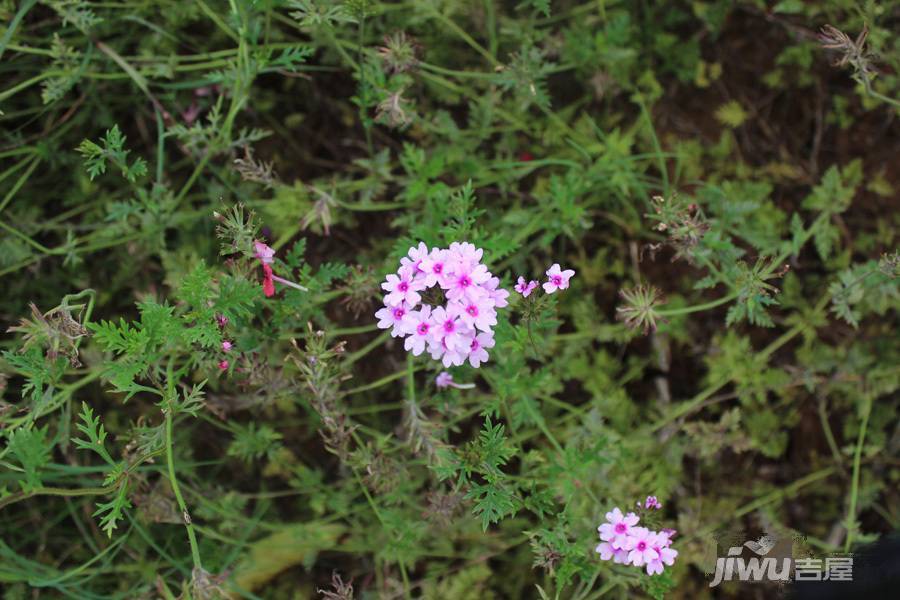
[352, 358]
[410, 379]
[697, 307]
[377, 384]
[549, 435]
[170, 463]
[452, 26]
[55, 491]
[20, 182]
[854, 488]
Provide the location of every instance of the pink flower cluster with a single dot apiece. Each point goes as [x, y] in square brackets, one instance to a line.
[557, 279]
[626, 543]
[460, 330]
[651, 503]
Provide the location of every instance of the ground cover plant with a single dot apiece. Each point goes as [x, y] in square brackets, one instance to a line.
[443, 298]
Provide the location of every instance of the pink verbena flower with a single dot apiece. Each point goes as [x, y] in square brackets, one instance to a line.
[418, 328]
[436, 267]
[415, 257]
[660, 543]
[465, 282]
[640, 546]
[557, 279]
[446, 329]
[402, 287]
[223, 365]
[394, 317]
[496, 293]
[478, 313]
[478, 348]
[452, 356]
[652, 502]
[525, 288]
[466, 253]
[226, 345]
[606, 551]
[618, 527]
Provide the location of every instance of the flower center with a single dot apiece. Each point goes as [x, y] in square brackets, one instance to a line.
[475, 345]
[557, 280]
[621, 528]
[403, 286]
[464, 281]
[398, 313]
[438, 268]
[641, 546]
[449, 326]
[423, 328]
[472, 310]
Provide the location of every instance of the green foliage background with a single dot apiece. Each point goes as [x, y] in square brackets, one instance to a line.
[723, 181]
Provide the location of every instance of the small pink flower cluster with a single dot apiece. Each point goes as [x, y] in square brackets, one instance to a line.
[651, 502]
[557, 279]
[460, 330]
[627, 544]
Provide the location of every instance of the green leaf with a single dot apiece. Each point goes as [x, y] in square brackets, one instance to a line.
[493, 502]
[494, 449]
[119, 339]
[95, 432]
[112, 150]
[251, 442]
[31, 448]
[112, 512]
[837, 188]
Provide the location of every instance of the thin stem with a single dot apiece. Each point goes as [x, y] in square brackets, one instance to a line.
[170, 462]
[378, 383]
[410, 379]
[451, 24]
[854, 487]
[829, 435]
[549, 435]
[697, 307]
[20, 182]
[55, 491]
[352, 358]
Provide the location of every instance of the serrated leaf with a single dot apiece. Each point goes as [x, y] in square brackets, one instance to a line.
[95, 432]
[32, 450]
